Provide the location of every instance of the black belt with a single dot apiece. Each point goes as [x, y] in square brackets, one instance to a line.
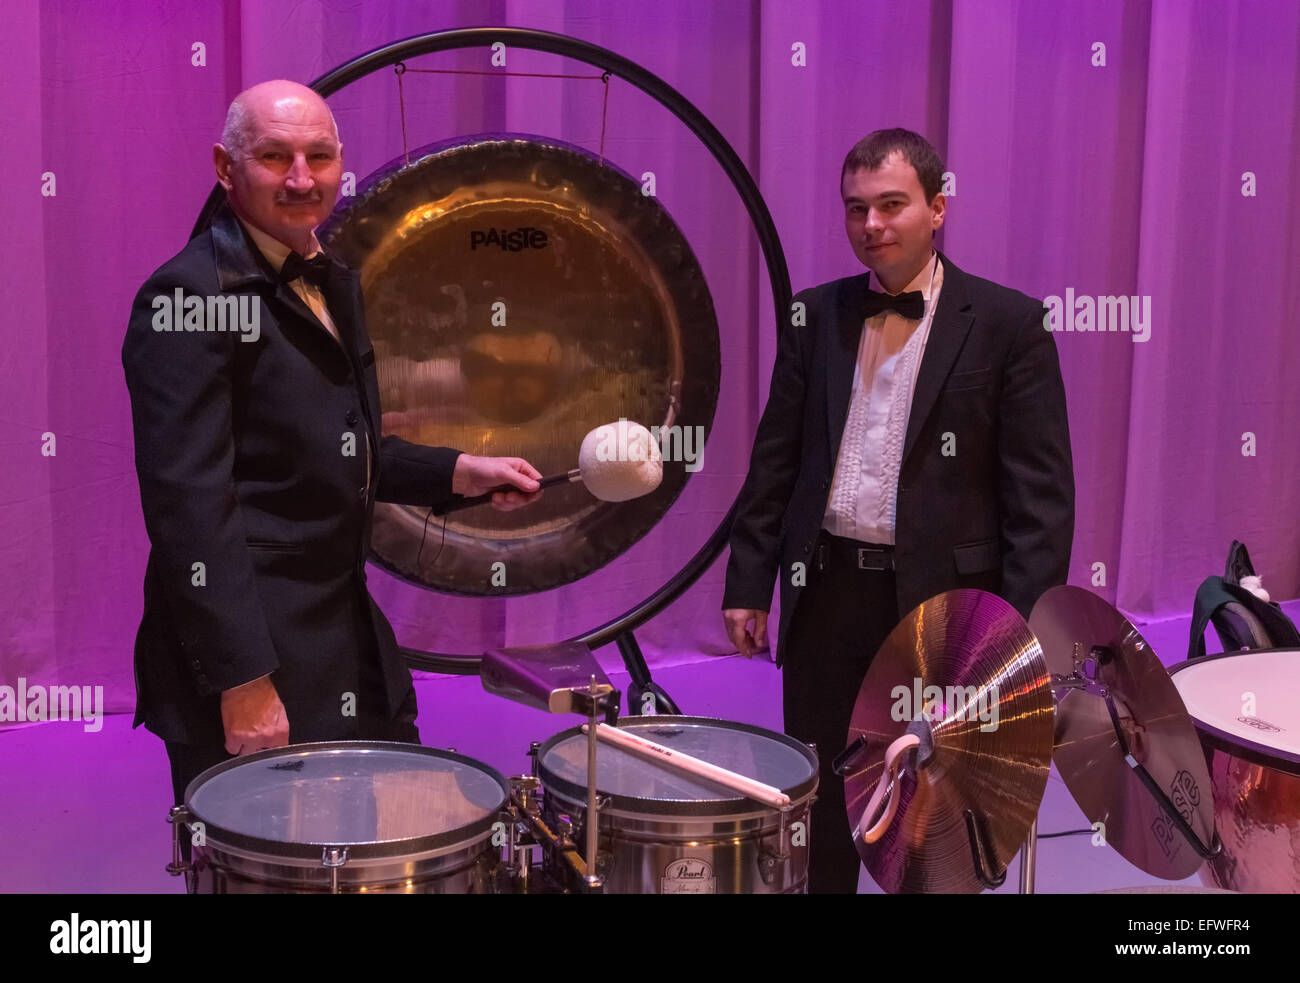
[838, 552]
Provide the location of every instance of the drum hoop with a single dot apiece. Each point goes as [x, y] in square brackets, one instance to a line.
[382, 850]
[635, 805]
[1233, 744]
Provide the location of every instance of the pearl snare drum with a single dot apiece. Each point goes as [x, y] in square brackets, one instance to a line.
[665, 832]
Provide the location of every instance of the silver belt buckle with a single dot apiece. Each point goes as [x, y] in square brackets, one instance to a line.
[865, 552]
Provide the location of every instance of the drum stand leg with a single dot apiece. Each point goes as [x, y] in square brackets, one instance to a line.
[593, 830]
[1029, 859]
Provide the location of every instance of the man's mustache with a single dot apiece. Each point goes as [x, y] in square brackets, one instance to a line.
[312, 199]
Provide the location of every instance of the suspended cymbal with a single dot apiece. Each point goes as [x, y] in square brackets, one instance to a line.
[1081, 633]
[519, 292]
[970, 660]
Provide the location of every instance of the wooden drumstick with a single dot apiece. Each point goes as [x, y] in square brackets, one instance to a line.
[752, 788]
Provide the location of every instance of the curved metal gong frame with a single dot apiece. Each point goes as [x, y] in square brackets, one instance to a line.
[619, 629]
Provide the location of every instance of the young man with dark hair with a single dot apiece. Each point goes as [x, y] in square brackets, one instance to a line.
[914, 441]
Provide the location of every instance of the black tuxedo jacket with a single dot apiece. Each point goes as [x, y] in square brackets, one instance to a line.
[998, 514]
[242, 453]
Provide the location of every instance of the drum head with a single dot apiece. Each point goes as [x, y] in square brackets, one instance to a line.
[1244, 703]
[636, 784]
[520, 292]
[379, 799]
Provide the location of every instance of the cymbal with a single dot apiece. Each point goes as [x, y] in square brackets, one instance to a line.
[967, 660]
[1086, 638]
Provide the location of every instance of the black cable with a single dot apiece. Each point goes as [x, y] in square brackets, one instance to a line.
[1068, 832]
[425, 532]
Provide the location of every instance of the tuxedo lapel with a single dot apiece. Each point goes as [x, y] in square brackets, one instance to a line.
[952, 322]
[842, 358]
[240, 264]
[286, 295]
[343, 296]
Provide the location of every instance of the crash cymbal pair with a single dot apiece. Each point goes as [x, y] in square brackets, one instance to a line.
[962, 713]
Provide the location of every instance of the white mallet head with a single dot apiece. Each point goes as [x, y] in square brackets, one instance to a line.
[620, 461]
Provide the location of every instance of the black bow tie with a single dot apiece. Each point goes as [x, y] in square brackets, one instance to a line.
[910, 304]
[315, 271]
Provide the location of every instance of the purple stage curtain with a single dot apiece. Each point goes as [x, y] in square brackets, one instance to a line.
[1096, 149]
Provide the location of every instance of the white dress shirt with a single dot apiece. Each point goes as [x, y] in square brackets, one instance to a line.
[863, 499]
[276, 252]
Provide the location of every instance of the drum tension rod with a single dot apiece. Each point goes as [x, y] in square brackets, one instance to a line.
[332, 858]
[595, 693]
[768, 861]
[176, 817]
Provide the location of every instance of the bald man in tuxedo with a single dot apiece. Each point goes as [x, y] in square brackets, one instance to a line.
[260, 459]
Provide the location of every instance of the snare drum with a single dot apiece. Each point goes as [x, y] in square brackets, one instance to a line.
[665, 832]
[345, 817]
[1244, 707]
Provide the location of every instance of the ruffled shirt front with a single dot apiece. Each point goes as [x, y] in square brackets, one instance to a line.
[863, 499]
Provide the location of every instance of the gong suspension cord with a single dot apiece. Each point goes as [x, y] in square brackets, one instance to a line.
[424, 534]
[400, 69]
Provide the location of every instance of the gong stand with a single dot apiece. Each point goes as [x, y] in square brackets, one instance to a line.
[643, 691]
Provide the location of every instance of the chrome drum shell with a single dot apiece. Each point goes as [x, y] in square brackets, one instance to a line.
[715, 845]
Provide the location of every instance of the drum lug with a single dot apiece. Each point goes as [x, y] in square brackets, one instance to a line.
[564, 831]
[334, 857]
[768, 861]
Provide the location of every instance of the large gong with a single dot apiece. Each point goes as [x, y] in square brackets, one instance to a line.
[519, 292]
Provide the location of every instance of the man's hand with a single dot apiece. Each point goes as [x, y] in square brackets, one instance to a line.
[738, 620]
[479, 475]
[254, 717]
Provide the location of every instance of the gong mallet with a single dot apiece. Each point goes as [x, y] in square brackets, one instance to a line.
[617, 462]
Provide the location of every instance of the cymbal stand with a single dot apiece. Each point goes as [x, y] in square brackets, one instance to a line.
[1085, 679]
